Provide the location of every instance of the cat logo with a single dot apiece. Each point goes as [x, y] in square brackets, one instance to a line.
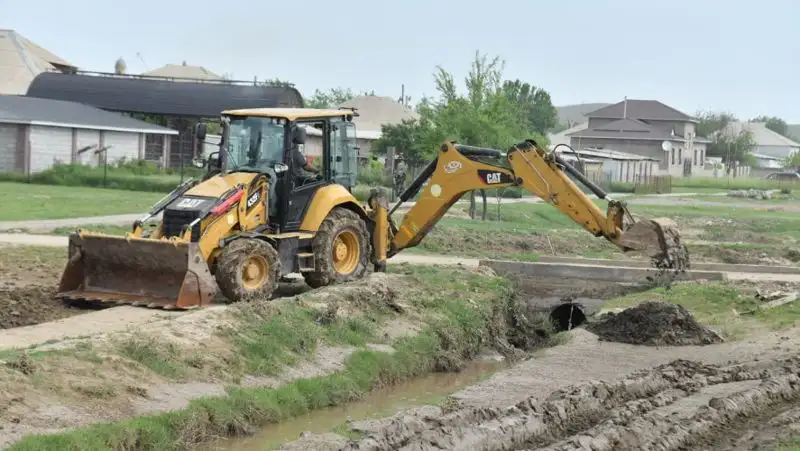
[493, 178]
[452, 167]
[253, 199]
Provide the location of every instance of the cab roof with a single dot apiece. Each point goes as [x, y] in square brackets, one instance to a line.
[290, 113]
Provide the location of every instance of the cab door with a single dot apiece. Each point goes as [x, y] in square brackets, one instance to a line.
[342, 156]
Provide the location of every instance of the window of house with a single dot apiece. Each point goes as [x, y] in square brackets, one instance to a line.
[673, 156]
[694, 158]
[680, 155]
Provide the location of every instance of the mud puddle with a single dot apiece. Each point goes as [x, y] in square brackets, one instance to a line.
[429, 389]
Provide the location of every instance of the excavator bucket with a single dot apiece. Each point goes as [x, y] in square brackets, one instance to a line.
[660, 239]
[139, 271]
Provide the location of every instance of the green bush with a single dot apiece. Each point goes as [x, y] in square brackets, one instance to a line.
[133, 176]
[373, 174]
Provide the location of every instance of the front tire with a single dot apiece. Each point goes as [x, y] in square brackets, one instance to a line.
[248, 269]
[341, 249]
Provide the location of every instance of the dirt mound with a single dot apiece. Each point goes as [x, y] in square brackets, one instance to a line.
[653, 324]
[31, 305]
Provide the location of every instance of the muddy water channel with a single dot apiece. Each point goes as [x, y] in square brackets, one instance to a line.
[429, 389]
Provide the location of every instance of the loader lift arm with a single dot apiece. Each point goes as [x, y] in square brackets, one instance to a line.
[457, 171]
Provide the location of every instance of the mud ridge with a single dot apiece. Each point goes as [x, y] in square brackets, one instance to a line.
[664, 408]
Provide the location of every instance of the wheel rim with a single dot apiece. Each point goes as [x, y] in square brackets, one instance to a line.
[255, 272]
[346, 252]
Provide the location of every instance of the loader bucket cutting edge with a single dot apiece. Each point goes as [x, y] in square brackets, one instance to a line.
[150, 272]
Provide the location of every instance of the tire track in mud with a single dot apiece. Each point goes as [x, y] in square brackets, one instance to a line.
[680, 405]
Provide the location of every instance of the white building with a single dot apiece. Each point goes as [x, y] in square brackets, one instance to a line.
[37, 133]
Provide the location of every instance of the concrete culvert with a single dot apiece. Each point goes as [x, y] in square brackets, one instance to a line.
[567, 316]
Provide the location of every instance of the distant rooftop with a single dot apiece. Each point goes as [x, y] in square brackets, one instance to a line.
[21, 61]
[640, 109]
[761, 134]
[58, 113]
[183, 70]
[375, 111]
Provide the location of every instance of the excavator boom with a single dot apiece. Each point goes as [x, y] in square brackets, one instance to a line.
[458, 170]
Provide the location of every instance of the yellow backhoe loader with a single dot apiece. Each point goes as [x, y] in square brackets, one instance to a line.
[256, 216]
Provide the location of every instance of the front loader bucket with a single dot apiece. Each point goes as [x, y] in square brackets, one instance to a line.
[138, 271]
[661, 239]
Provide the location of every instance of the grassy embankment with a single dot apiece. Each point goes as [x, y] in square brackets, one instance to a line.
[456, 314]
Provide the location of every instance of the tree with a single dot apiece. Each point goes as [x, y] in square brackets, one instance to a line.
[793, 162]
[490, 113]
[534, 103]
[774, 123]
[333, 97]
[730, 139]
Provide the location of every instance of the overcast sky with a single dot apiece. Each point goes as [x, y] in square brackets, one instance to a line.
[734, 55]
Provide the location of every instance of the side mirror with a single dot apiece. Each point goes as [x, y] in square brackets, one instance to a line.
[200, 130]
[280, 168]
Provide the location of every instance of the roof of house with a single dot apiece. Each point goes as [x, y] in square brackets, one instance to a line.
[763, 136]
[575, 114]
[21, 60]
[161, 97]
[375, 111]
[179, 71]
[57, 113]
[607, 153]
[641, 109]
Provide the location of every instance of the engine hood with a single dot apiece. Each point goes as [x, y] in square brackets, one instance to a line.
[219, 184]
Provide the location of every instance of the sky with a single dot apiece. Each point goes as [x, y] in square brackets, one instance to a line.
[724, 55]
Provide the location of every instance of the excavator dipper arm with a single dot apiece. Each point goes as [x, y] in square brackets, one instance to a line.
[456, 171]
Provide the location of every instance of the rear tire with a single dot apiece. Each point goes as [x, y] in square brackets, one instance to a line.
[341, 249]
[248, 269]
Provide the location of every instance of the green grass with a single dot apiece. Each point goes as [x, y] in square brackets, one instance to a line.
[725, 183]
[717, 304]
[29, 202]
[459, 317]
[792, 444]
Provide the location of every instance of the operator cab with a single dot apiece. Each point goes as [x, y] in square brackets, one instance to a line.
[277, 141]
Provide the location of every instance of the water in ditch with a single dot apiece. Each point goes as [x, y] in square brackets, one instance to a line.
[381, 403]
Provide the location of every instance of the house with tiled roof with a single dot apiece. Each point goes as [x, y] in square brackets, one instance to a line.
[648, 128]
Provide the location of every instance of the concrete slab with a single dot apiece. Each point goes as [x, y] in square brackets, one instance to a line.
[589, 272]
[723, 267]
